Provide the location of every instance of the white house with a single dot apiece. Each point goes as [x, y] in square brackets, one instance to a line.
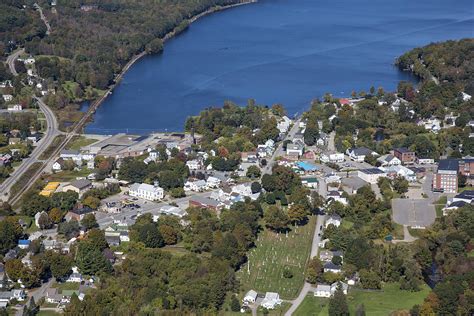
[311, 183]
[431, 124]
[337, 197]
[371, 175]
[331, 157]
[195, 185]
[250, 297]
[389, 160]
[465, 96]
[15, 107]
[213, 182]
[7, 97]
[295, 149]
[359, 154]
[271, 300]
[284, 124]
[322, 290]
[193, 164]
[29, 61]
[173, 210]
[71, 154]
[425, 161]
[402, 171]
[146, 191]
[75, 277]
[333, 220]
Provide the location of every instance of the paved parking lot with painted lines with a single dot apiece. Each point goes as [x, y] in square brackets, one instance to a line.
[413, 212]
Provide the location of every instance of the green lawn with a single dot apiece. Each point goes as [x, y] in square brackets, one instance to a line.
[272, 254]
[65, 176]
[347, 224]
[377, 303]
[47, 313]
[382, 303]
[66, 286]
[80, 141]
[312, 306]
[440, 204]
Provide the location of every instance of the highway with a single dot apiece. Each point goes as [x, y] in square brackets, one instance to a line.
[11, 60]
[51, 132]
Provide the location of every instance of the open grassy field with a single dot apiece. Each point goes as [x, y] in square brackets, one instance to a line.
[80, 141]
[382, 303]
[273, 254]
[377, 303]
[312, 306]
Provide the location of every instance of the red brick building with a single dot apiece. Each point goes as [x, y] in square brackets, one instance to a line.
[406, 156]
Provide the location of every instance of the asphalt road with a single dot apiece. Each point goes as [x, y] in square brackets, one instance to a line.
[51, 132]
[307, 287]
[11, 60]
[43, 17]
[279, 151]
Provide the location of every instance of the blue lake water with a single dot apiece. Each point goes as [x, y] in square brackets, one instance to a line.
[278, 51]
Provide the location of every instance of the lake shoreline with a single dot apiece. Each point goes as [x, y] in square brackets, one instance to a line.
[97, 102]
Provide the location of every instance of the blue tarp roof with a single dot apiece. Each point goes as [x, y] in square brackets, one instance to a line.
[306, 166]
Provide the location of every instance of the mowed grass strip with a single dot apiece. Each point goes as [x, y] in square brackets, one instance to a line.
[312, 306]
[386, 301]
[272, 255]
[376, 303]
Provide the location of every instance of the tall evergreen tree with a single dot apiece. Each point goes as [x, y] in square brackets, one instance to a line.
[338, 304]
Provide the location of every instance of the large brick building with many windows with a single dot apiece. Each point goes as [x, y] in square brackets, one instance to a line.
[446, 178]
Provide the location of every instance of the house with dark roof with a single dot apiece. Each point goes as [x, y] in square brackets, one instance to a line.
[359, 153]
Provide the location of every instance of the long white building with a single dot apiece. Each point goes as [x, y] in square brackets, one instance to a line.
[146, 191]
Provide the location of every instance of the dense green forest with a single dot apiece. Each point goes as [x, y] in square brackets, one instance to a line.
[450, 62]
[95, 39]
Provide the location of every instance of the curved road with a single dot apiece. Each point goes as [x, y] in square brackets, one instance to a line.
[51, 132]
[43, 17]
[11, 60]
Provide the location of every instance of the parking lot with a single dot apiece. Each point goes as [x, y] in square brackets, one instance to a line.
[413, 212]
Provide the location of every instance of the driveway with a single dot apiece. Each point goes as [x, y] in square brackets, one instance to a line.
[413, 212]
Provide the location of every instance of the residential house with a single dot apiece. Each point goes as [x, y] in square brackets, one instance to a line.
[465, 196]
[113, 241]
[400, 171]
[311, 182]
[203, 202]
[78, 213]
[371, 175]
[284, 125]
[7, 97]
[75, 278]
[59, 164]
[14, 107]
[5, 159]
[337, 197]
[424, 161]
[450, 206]
[333, 157]
[359, 153]
[80, 186]
[250, 297]
[271, 300]
[405, 155]
[173, 210]
[69, 154]
[331, 267]
[213, 182]
[389, 160]
[24, 243]
[194, 164]
[250, 156]
[333, 220]
[52, 296]
[296, 149]
[14, 141]
[446, 178]
[146, 191]
[332, 178]
[322, 290]
[327, 255]
[465, 96]
[352, 184]
[431, 124]
[195, 185]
